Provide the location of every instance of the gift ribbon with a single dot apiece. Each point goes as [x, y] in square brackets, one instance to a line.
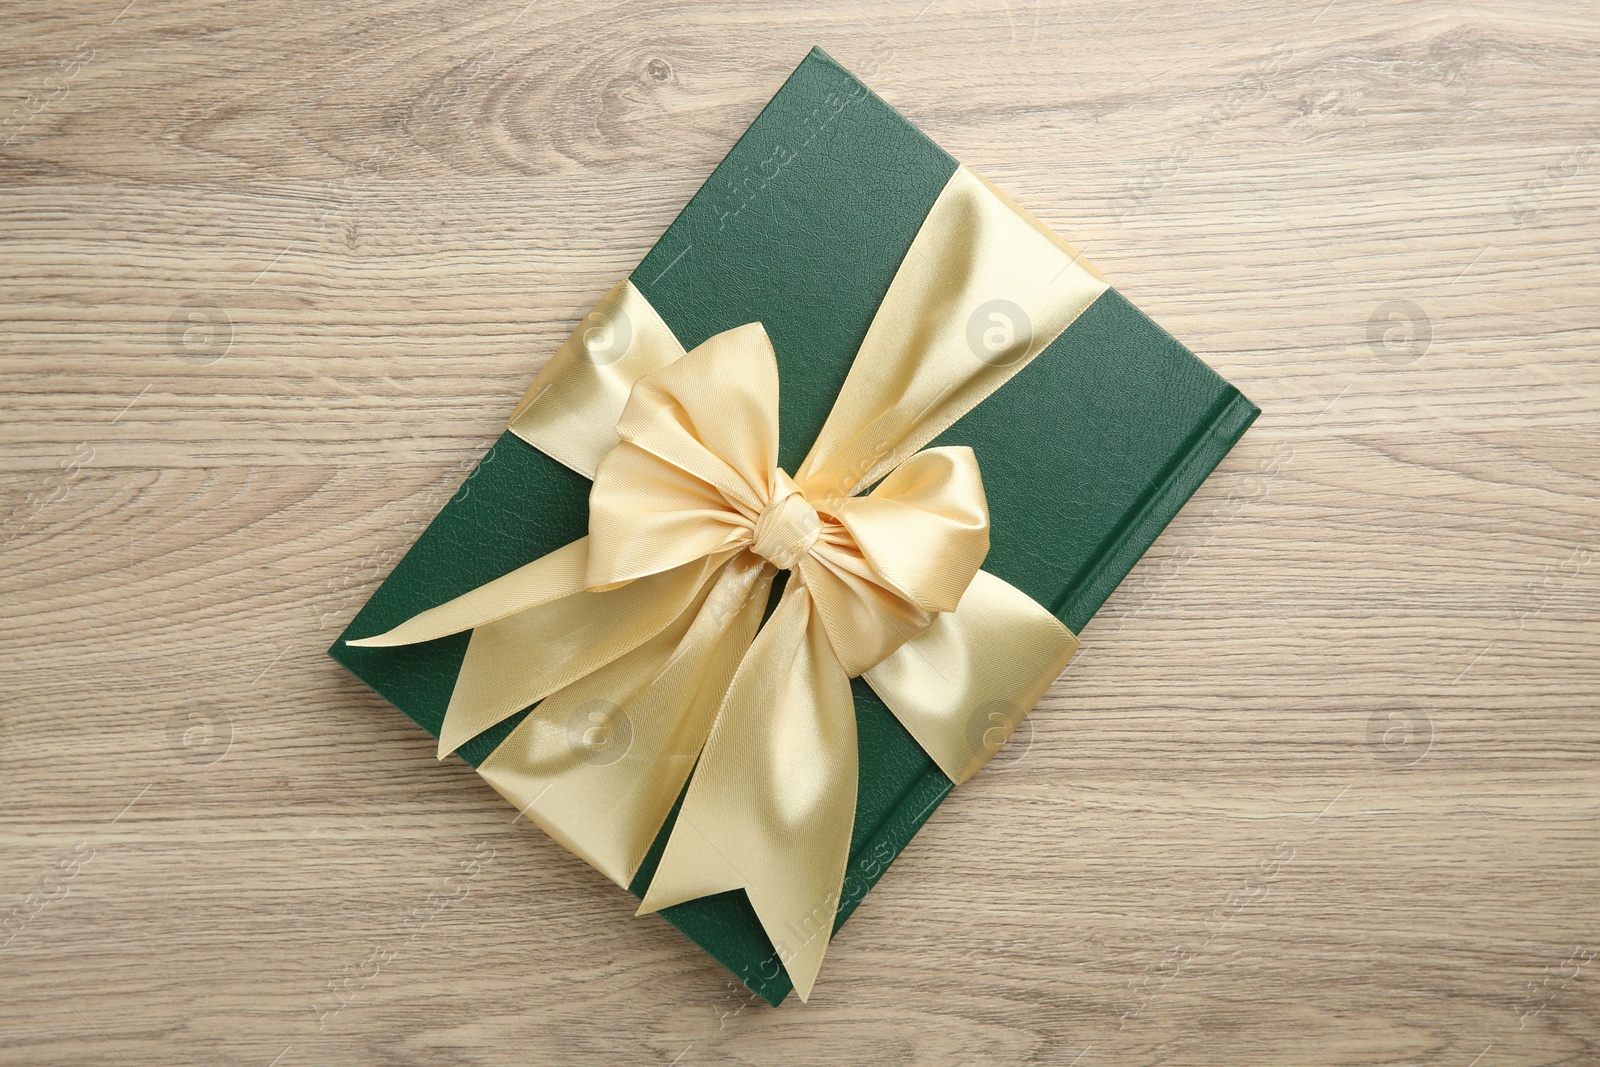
[653, 622]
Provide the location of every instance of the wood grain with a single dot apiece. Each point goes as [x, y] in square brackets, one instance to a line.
[1321, 789]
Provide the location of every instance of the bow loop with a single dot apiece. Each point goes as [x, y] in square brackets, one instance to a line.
[887, 563]
[694, 468]
[925, 529]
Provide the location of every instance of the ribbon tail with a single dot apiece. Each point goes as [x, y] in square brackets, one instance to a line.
[961, 686]
[599, 764]
[772, 803]
[521, 659]
[548, 578]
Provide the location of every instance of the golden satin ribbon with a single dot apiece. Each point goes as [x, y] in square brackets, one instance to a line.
[652, 623]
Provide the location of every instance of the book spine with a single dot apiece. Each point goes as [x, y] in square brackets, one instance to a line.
[1128, 541]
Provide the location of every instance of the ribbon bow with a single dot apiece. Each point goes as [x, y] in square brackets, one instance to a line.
[651, 626]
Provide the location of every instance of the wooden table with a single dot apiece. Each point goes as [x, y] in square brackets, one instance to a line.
[1322, 788]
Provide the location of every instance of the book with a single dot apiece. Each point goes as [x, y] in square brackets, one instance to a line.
[1086, 454]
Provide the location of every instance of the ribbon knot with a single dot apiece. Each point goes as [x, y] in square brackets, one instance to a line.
[787, 527]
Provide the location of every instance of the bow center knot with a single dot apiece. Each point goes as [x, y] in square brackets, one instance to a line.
[788, 526]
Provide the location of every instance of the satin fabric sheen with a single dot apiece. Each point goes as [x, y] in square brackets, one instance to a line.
[651, 625]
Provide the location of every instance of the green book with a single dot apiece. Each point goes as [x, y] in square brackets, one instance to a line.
[1086, 454]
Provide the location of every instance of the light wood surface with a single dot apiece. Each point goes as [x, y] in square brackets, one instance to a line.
[1323, 788]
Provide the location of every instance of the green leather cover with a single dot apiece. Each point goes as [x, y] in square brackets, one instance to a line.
[1086, 454]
